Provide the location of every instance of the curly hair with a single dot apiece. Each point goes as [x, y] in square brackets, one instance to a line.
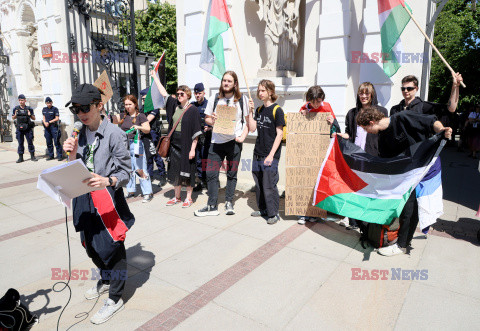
[369, 114]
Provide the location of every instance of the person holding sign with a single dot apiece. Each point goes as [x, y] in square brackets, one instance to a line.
[269, 121]
[184, 120]
[102, 216]
[225, 144]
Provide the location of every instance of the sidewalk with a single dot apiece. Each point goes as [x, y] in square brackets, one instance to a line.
[237, 272]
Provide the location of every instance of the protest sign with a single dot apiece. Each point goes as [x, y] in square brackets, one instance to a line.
[226, 119]
[103, 83]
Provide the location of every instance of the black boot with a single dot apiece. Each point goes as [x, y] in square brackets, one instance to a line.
[32, 157]
[20, 158]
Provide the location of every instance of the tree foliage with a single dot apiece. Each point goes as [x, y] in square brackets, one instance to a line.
[457, 36]
[156, 31]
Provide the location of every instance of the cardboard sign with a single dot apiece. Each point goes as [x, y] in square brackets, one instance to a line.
[308, 138]
[103, 83]
[226, 119]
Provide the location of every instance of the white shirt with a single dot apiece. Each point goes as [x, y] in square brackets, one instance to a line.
[219, 138]
[361, 138]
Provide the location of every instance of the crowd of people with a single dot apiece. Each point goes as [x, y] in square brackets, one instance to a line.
[119, 148]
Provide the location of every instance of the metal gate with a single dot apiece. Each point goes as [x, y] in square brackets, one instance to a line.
[101, 35]
[5, 125]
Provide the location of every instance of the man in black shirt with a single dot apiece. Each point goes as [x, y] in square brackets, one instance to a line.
[203, 144]
[269, 121]
[395, 134]
[25, 117]
[51, 130]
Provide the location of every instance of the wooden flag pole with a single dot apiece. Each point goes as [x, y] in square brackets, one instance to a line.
[241, 62]
[431, 43]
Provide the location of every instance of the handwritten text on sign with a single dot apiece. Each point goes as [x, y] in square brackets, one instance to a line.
[307, 142]
[226, 119]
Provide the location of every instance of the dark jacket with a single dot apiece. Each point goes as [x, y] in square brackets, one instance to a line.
[371, 144]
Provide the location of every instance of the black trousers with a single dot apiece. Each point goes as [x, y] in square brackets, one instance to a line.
[201, 154]
[266, 179]
[231, 151]
[408, 221]
[115, 273]
[21, 135]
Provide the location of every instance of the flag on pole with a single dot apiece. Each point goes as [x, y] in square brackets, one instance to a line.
[218, 21]
[154, 99]
[393, 20]
[355, 184]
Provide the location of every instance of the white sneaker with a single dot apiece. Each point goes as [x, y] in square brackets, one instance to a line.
[302, 220]
[391, 250]
[96, 291]
[107, 311]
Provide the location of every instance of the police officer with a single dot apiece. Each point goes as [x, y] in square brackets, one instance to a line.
[52, 132]
[153, 118]
[25, 117]
[203, 144]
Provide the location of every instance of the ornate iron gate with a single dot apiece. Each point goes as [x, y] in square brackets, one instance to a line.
[5, 125]
[101, 36]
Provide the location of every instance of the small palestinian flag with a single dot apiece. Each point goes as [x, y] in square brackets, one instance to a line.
[154, 99]
[393, 20]
[355, 184]
[218, 21]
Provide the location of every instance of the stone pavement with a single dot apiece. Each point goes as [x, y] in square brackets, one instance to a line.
[237, 272]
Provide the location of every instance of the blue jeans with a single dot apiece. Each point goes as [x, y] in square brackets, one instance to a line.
[157, 158]
[21, 135]
[138, 163]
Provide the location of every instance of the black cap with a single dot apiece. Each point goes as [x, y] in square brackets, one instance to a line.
[199, 87]
[21, 96]
[48, 99]
[85, 94]
[144, 92]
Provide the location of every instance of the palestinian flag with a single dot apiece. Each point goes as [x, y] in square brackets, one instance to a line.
[393, 20]
[154, 100]
[355, 184]
[218, 21]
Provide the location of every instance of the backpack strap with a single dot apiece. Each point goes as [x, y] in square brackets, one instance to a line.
[275, 111]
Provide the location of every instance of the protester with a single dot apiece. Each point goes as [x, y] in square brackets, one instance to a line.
[315, 97]
[52, 132]
[225, 146]
[366, 97]
[204, 143]
[473, 131]
[182, 165]
[153, 118]
[269, 121]
[102, 146]
[131, 122]
[395, 134]
[25, 117]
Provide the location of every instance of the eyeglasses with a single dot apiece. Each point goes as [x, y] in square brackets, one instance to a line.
[364, 93]
[408, 88]
[83, 108]
[180, 94]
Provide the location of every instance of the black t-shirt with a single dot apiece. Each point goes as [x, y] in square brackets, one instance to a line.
[422, 107]
[267, 129]
[404, 130]
[128, 122]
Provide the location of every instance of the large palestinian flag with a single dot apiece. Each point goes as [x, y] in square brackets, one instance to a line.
[355, 184]
[393, 20]
[218, 21]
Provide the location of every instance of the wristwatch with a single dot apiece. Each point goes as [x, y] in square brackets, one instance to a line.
[110, 181]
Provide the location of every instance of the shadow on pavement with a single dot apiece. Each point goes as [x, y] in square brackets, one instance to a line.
[142, 260]
[28, 299]
[465, 229]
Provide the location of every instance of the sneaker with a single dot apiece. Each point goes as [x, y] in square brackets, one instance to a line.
[273, 220]
[97, 290]
[147, 198]
[187, 203]
[229, 208]
[302, 220]
[259, 213]
[107, 311]
[207, 211]
[129, 195]
[391, 250]
[173, 201]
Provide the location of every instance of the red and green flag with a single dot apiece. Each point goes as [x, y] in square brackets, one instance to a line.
[218, 21]
[354, 184]
[154, 99]
[393, 20]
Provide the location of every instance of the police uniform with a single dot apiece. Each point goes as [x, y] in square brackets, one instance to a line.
[24, 130]
[52, 132]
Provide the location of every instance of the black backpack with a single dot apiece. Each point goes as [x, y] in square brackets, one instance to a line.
[378, 235]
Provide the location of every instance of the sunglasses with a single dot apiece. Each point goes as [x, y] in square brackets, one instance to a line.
[180, 94]
[409, 89]
[83, 108]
